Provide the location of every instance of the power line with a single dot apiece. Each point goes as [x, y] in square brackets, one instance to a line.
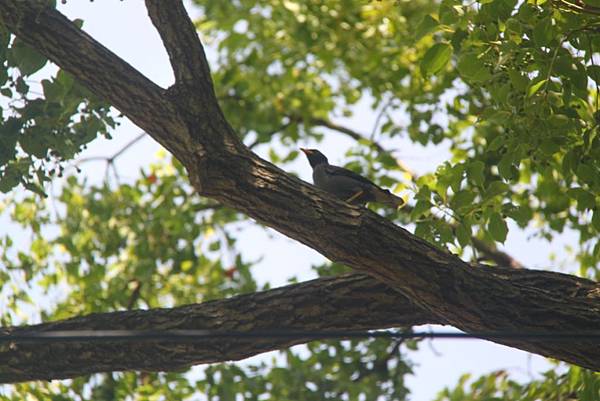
[99, 336]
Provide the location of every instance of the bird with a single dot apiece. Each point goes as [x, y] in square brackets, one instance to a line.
[347, 185]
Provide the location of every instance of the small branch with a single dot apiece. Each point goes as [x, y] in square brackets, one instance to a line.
[127, 146]
[378, 119]
[577, 6]
[358, 137]
[110, 160]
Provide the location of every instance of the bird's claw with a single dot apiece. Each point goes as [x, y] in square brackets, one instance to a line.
[355, 196]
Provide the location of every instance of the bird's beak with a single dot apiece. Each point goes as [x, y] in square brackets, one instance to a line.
[306, 151]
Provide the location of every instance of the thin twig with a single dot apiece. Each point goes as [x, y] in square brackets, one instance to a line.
[110, 160]
[127, 146]
[358, 137]
[577, 6]
[283, 126]
[378, 119]
[592, 61]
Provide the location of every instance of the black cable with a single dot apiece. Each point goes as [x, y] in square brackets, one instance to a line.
[97, 336]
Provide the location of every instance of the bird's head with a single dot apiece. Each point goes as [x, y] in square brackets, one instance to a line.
[314, 157]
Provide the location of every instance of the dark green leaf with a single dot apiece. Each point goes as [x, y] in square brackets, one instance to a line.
[543, 32]
[594, 73]
[463, 235]
[497, 227]
[496, 188]
[596, 219]
[463, 199]
[472, 68]
[475, 172]
[586, 173]
[420, 208]
[505, 167]
[25, 58]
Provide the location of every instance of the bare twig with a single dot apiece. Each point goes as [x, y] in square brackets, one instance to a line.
[378, 118]
[110, 160]
[577, 6]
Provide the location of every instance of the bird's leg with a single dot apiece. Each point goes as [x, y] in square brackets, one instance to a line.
[355, 196]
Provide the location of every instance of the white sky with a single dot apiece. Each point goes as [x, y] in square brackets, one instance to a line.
[124, 27]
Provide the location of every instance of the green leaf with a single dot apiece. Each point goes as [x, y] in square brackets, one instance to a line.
[52, 90]
[594, 73]
[496, 188]
[521, 214]
[3, 76]
[497, 227]
[596, 219]
[421, 208]
[436, 58]
[472, 68]
[543, 32]
[463, 235]
[33, 141]
[497, 143]
[586, 200]
[569, 162]
[586, 173]
[518, 80]
[535, 87]
[4, 41]
[462, 199]
[33, 187]
[426, 26]
[475, 172]
[505, 167]
[9, 179]
[6, 92]
[25, 58]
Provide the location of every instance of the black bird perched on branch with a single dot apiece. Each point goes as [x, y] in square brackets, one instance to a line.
[346, 184]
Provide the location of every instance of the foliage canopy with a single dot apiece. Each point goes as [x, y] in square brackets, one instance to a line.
[509, 88]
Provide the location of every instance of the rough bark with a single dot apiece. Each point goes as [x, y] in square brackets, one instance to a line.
[186, 119]
[324, 304]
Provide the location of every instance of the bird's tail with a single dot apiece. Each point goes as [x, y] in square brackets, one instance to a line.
[387, 198]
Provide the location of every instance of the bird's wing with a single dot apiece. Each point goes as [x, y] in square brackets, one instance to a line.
[343, 172]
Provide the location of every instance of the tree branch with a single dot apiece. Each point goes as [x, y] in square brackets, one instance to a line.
[181, 40]
[220, 167]
[350, 302]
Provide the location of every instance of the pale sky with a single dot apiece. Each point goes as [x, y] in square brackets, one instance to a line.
[124, 27]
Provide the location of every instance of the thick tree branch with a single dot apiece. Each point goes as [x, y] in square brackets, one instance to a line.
[183, 45]
[351, 302]
[222, 168]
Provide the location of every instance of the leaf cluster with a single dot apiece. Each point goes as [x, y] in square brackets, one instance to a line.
[44, 123]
